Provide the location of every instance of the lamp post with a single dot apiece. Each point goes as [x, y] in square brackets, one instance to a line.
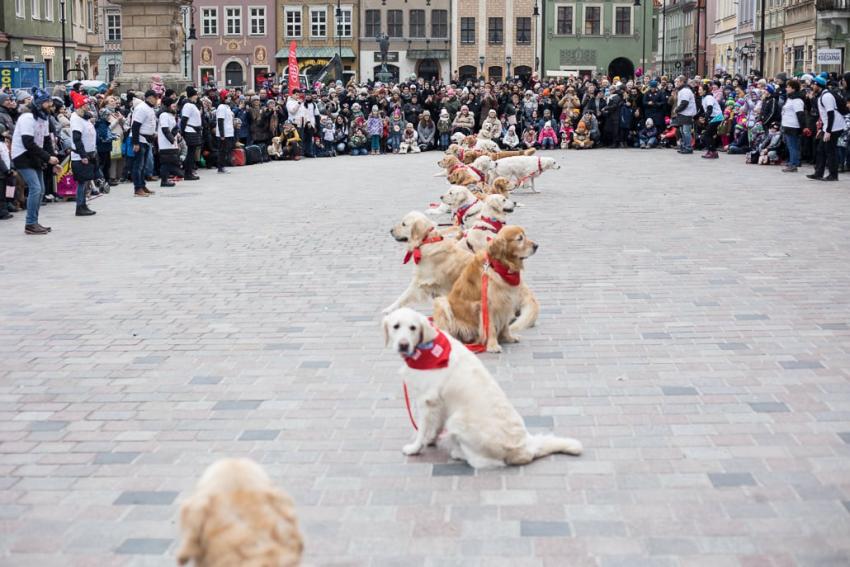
[761, 52]
[481, 60]
[64, 57]
[339, 29]
[728, 58]
[663, 33]
[642, 41]
[508, 60]
[192, 35]
[536, 14]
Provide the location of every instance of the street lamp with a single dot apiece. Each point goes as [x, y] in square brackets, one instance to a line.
[536, 14]
[64, 57]
[192, 35]
[642, 41]
[663, 33]
[508, 60]
[339, 29]
[481, 60]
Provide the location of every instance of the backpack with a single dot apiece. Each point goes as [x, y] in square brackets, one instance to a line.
[840, 101]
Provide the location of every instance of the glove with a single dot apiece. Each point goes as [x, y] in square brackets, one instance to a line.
[807, 132]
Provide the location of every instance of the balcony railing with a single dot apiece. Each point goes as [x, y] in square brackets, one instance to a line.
[833, 5]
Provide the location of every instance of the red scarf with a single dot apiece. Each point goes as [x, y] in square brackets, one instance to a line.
[461, 212]
[431, 356]
[496, 224]
[460, 155]
[511, 277]
[479, 173]
[456, 167]
[539, 165]
[416, 253]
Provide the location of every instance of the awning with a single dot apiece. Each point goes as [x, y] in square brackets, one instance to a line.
[315, 53]
[427, 53]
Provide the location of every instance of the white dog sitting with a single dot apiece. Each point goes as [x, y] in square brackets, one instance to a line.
[465, 207]
[455, 392]
[494, 215]
[519, 169]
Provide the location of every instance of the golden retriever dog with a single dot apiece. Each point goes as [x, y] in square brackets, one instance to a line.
[458, 173]
[237, 517]
[460, 312]
[463, 204]
[500, 186]
[438, 259]
[468, 156]
[276, 148]
[494, 216]
[454, 393]
[521, 170]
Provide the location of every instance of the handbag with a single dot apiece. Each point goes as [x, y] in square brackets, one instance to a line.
[128, 147]
[117, 151]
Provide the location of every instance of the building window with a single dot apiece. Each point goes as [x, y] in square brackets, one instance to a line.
[19, 8]
[417, 23]
[565, 20]
[798, 59]
[593, 20]
[90, 15]
[113, 27]
[257, 17]
[495, 31]
[207, 75]
[48, 9]
[373, 23]
[318, 22]
[36, 9]
[623, 20]
[209, 21]
[467, 30]
[439, 23]
[495, 73]
[232, 21]
[523, 31]
[293, 22]
[48, 69]
[343, 24]
[395, 23]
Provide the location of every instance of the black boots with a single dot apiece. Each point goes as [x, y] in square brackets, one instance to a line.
[84, 211]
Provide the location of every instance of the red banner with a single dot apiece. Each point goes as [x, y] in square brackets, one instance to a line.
[293, 68]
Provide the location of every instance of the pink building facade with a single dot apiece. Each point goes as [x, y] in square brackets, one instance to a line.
[235, 43]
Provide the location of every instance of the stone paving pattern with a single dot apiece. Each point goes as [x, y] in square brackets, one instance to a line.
[694, 335]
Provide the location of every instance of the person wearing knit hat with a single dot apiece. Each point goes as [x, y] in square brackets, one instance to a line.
[83, 156]
[8, 113]
[32, 150]
[224, 131]
[191, 129]
[833, 123]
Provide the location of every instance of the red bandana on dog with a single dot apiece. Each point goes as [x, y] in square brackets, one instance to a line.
[511, 277]
[431, 356]
[478, 172]
[416, 253]
[496, 224]
[461, 212]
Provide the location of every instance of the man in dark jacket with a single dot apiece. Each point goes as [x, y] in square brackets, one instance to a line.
[654, 104]
[32, 152]
[8, 112]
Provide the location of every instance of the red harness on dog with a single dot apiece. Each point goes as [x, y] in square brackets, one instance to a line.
[534, 174]
[511, 277]
[461, 213]
[495, 224]
[427, 356]
[416, 253]
[479, 173]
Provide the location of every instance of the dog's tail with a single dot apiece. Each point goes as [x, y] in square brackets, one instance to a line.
[441, 174]
[529, 152]
[443, 316]
[542, 445]
[528, 312]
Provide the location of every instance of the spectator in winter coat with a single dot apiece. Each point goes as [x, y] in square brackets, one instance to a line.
[427, 131]
[529, 137]
[511, 140]
[464, 122]
[444, 128]
[375, 129]
[648, 135]
[548, 138]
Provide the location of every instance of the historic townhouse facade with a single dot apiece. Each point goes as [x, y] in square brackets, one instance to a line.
[774, 48]
[588, 37]
[496, 38]
[236, 42]
[320, 29]
[420, 38]
[725, 22]
[799, 36]
[833, 30]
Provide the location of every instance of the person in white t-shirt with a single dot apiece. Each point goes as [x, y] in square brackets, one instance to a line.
[685, 112]
[144, 134]
[168, 140]
[191, 129]
[793, 120]
[83, 155]
[224, 131]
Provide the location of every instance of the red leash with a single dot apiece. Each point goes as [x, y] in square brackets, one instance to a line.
[409, 412]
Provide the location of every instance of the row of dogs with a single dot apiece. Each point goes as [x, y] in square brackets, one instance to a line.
[237, 517]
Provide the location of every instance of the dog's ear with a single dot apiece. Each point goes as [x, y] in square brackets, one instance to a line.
[498, 247]
[427, 332]
[418, 230]
[385, 324]
[193, 513]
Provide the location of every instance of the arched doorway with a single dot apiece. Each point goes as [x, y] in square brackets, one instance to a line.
[523, 72]
[391, 69]
[494, 73]
[234, 75]
[467, 73]
[621, 67]
[428, 69]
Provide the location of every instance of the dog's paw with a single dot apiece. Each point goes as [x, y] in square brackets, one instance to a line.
[511, 339]
[497, 348]
[411, 449]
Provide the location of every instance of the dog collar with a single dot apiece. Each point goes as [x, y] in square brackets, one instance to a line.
[461, 213]
[416, 253]
[510, 277]
[495, 224]
[479, 173]
[432, 355]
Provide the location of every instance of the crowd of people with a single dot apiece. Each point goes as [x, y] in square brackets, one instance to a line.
[162, 135]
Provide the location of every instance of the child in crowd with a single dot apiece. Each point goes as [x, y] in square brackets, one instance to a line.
[397, 124]
[769, 148]
[548, 139]
[444, 128]
[375, 128]
[648, 135]
[510, 139]
[357, 142]
[529, 137]
[581, 137]
[409, 140]
[566, 133]
[328, 134]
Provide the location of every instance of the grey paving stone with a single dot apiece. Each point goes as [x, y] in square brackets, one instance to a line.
[452, 469]
[284, 346]
[143, 546]
[150, 359]
[846, 505]
[800, 364]
[116, 458]
[547, 355]
[201, 380]
[49, 425]
[233, 405]
[539, 421]
[259, 435]
[751, 317]
[833, 326]
[145, 498]
[679, 391]
[845, 436]
[732, 346]
[316, 364]
[656, 335]
[534, 528]
[769, 407]
[724, 480]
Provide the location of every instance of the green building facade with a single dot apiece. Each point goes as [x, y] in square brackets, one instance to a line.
[31, 31]
[597, 36]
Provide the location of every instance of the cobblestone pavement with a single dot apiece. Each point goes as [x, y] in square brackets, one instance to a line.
[694, 335]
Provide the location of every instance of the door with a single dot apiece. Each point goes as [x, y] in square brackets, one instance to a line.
[429, 69]
[233, 75]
